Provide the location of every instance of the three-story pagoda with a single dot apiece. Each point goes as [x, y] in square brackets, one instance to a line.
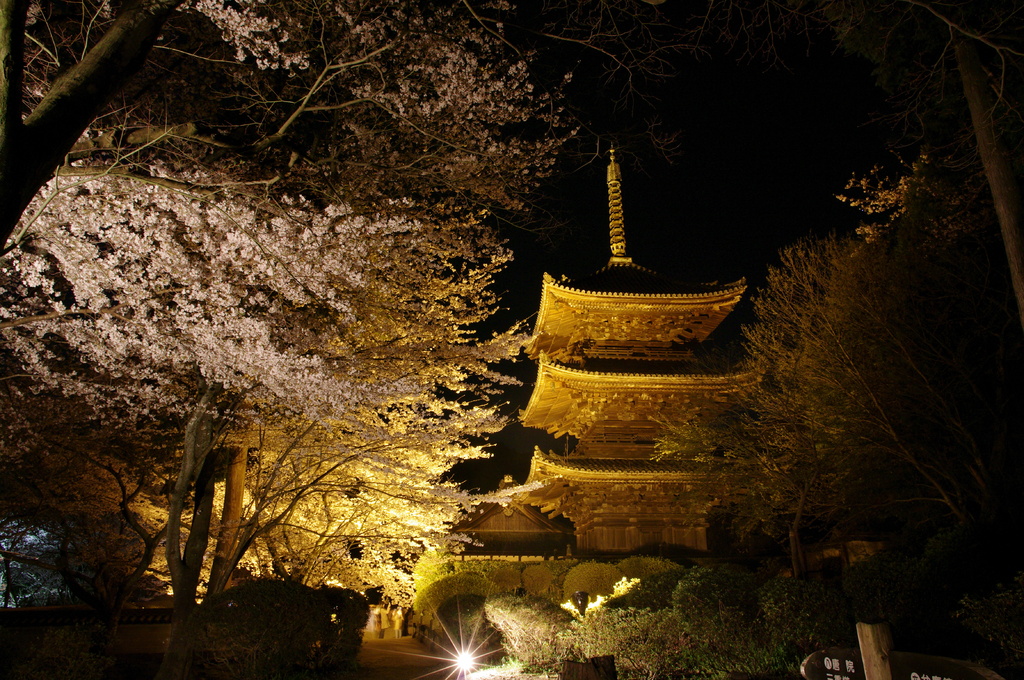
[615, 354]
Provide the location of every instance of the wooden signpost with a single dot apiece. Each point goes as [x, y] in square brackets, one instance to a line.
[875, 660]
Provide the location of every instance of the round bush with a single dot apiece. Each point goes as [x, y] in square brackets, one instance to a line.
[537, 579]
[654, 592]
[645, 644]
[349, 613]
[594, 578]
[460, 583]
[642, 567]
[530, 627]
[506, 578]
[717, 605]
[463, 621]
[805, 615]
[265, 629]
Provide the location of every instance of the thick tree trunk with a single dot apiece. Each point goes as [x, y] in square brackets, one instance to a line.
[996, 161]
[185, 562]
[31, 151]
[225, 556]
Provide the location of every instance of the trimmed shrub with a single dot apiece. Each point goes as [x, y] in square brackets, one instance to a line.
[537, 579]
[718, 609]
[458, 584]
[349, 613]
[654, 592]
[999, 618]
[62, 653]
[506, 578]
[642, 567]
[463, 621]
[646, 644]
[530, 628]
[430, 567]
[704, 590]
[595, 578]
[805, 615]
[265, 629]
[918, 591]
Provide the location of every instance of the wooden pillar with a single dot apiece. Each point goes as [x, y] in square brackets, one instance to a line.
[597, 668]
[875, 641]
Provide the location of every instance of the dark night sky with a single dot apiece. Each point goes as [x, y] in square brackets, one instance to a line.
[763, 154]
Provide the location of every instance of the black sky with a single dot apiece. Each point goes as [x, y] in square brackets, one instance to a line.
[764, 152]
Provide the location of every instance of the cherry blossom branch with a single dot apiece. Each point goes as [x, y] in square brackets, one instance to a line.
[14, 323]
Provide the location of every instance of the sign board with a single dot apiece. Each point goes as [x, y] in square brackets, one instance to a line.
[909, 666]
[846, 664]
[835, 663]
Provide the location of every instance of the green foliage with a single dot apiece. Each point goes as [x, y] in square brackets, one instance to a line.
[62, 653]
[654, 592]
[917, 591]
[595, 578]
[718, 620]
[538, 579]
[641, 566]
[430, 566]
[719, 610]
[646, 644]
[462, 583]
[703, 591]
[506, 578]
[530, 628]
[807, 615]
[266, 629]
[999, 617]
[349, 613]
[463, 621]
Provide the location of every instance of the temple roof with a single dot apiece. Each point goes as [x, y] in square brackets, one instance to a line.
[628, 303]
[623, 276]
[570, 400]
[545, 467]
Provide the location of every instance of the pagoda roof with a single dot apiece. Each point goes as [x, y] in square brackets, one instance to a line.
[624, 301]
[572, 400]
[621, 276]
[545, 464]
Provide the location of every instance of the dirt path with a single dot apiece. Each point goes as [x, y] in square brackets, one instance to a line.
[400, 659]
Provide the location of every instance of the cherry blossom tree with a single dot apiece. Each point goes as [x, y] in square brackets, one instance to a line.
[80, 502]
[224, 315]
[368, 102]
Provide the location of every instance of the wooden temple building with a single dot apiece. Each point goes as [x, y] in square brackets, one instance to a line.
[615, 355]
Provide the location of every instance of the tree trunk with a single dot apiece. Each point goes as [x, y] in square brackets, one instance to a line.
[996, 161]
[195, 478]
[225, 557]
[31, 150]
[12, 35]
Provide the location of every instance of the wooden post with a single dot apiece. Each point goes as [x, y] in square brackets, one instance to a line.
[597, 668]
[875, 641]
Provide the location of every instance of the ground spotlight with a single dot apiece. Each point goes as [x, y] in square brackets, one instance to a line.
[464, 662]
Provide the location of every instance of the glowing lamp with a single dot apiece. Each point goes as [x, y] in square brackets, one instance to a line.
[465, 661]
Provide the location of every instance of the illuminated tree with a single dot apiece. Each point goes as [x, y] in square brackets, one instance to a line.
[220, 316]
[443, 103]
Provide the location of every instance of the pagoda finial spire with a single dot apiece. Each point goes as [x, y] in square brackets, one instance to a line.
[615, 224]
